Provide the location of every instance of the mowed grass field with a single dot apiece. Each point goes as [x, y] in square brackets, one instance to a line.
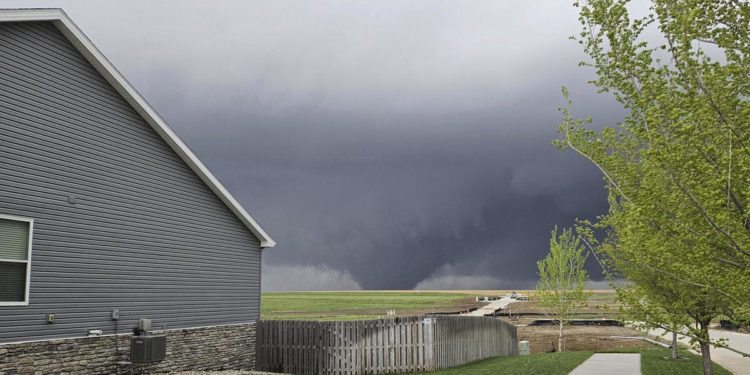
[360, 305]
[354, 305]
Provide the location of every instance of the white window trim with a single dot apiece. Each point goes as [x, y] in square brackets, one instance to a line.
[25, 302]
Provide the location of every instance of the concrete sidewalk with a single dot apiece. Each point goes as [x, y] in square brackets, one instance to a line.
[610, 364]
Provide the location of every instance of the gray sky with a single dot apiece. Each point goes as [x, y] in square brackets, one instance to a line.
[382, 144]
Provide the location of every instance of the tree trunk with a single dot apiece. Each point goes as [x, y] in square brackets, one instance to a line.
[560, 338]
[706, 354]
[706, 349]
[674, 345]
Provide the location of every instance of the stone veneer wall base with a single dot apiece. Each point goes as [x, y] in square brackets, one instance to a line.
[191, 349]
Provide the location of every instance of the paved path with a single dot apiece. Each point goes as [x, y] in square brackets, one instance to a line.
[610, 364]
[490, 308]
[730, 360]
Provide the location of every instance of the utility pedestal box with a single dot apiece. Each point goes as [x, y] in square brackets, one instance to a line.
[523, 348]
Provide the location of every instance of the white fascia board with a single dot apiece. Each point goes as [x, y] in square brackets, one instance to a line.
[124, 88]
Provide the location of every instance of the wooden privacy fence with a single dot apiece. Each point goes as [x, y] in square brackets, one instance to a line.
[408, 344]
[462, 339]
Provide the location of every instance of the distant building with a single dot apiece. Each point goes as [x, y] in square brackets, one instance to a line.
[105, 213]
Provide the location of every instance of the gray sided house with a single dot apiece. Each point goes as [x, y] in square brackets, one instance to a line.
[103, 208]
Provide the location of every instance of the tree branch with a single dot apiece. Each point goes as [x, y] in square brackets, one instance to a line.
[693, 283]
[604, 171]
[708, 219]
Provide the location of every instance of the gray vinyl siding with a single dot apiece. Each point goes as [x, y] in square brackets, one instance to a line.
[145, 234]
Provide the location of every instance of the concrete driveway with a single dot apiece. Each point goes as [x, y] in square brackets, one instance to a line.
[730, 360]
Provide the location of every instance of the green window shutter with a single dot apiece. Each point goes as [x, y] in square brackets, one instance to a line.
[14, 239]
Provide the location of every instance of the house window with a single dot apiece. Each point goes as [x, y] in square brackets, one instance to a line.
[15, 260]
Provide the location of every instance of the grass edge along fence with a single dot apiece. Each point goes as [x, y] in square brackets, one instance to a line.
[407, 344]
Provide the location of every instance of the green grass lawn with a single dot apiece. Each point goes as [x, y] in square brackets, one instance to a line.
[653, 362]
[354, 305]
[543, 363]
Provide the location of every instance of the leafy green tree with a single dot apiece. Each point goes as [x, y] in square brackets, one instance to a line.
[562, 279]
[651, 298]
[677, 168]
[650, 314]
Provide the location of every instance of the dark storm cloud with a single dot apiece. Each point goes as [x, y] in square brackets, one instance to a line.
[381, 144]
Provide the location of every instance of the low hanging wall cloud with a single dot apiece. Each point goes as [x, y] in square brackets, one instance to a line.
[383, 145]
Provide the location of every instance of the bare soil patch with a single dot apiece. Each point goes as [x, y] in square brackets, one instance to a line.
[543, 338]
[601, 305]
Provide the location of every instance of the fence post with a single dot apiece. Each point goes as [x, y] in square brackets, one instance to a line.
[430, 344]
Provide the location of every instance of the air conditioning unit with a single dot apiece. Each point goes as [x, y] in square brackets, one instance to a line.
[144, 349]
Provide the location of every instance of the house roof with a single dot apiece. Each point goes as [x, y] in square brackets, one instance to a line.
[124, 88]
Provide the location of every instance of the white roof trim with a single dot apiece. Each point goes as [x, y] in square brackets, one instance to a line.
[110, 73]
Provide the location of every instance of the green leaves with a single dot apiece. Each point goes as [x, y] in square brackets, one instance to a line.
[677, 168]
[565, 92]
[562, 278]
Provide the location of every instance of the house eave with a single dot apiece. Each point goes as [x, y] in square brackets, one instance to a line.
[131, 95]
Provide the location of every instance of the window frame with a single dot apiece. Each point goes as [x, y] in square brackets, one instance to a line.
[30, 221]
